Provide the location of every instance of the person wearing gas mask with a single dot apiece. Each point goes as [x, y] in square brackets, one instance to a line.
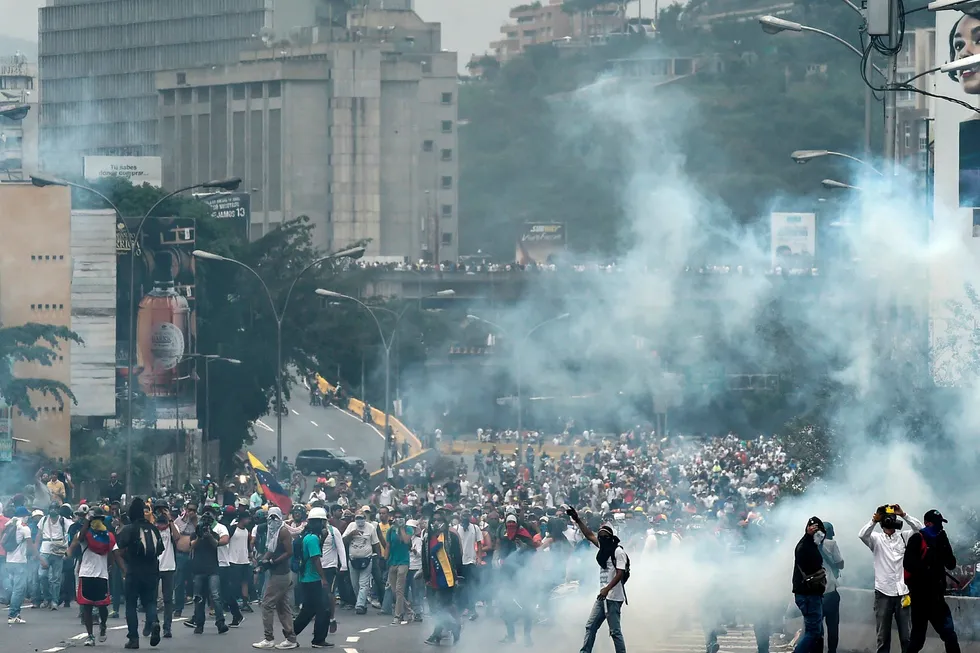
[442, 567]
[928, 557]
[809, 584]
[209, 536]
[888, 549]
[613, 573]
[167, 561]
[361, 539]
[278, 549]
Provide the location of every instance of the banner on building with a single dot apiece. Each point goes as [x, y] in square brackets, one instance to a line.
[165, 317]
[6, 434]
[231, 206]
[794, 240]
[540, 243]
[137, 169]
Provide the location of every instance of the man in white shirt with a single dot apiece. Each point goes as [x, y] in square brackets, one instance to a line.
[386, 495]
[361, 539]
[609, 604]
[333, 561]
[167, 561]
[51, 543]
[229, 577]
[17, 562]
[471, 541]
[888, 548]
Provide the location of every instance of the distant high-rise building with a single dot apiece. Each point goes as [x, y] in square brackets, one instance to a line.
[18, 117]
[98, 60]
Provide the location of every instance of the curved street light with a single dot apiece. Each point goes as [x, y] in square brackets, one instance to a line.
[206, 433]
[278, 314]
[520, 364]
[386, 342]
[803, 156]
[833, 184]
[41, 180]
[774, 25]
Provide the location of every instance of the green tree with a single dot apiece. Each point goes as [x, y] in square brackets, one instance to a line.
[33, 344]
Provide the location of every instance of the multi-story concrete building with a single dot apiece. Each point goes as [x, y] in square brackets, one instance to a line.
[98, 60]
[18, 117]
[351, 124]
[918, 55]
[538, 23]
[35, 286]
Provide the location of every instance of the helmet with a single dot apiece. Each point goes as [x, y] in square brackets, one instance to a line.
[318, 513]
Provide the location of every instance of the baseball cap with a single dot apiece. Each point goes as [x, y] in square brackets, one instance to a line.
[511, 519]
[934, 517]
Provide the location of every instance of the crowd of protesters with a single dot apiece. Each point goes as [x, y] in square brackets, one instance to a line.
[420, 548]
[473, 265]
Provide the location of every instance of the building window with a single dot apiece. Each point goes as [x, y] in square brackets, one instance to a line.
[185, 96]
[204, 94]
[447, 183]
[447, 155]
[447, 210]
[923, 143]
[426, 66]
[181, 78]
[447, 98]
[447, 126]
[238, 92]
[447, 238]
[168, 98]
[256, 90]
[427, 146]
[908, 136]
[275, 89]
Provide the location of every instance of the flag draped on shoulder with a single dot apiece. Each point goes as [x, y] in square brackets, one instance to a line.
[270, 486]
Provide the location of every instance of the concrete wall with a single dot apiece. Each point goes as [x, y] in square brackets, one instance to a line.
[35, 286]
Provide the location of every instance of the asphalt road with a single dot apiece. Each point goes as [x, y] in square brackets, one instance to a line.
[317, 427]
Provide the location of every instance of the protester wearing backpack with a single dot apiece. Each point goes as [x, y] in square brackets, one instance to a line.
[142, 545]
[313, 580]
[16, 539]
[614, 571]
[52, 544]
[928, 556]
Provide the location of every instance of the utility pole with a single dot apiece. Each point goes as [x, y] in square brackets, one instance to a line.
[891, 96]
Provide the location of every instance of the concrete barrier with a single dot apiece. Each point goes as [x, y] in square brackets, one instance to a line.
[857, 628]
[356, 406]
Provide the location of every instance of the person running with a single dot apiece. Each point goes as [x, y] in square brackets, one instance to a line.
[97, 544]
[313, 581]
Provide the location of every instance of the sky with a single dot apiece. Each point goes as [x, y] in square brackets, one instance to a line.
[468, 26]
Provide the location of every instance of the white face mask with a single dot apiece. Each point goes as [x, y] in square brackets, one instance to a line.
[455, 522]
[819, 537]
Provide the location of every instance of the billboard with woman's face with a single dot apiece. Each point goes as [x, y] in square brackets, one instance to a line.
[964, 41]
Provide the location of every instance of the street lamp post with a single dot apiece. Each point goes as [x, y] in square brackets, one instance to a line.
[279, 314]
[232, 183]
[520, 363]
[206, 433]
[804, 156]
[386, 343]
[832, 184]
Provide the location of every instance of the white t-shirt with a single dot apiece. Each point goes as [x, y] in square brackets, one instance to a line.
[387, 496]
[616, 561]
[52, 530]
[238, 547]
[23, 537]
[220, 531]
[467, 540]
[332, 553]
[166, 559]
[415, 554]
[94, 565]
[364, 539]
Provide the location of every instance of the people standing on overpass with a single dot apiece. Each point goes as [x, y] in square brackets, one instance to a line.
[928, 557]
[891, 594]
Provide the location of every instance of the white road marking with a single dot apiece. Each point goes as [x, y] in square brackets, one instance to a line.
[353, 640]
[294, 411]
[306, 383]
[123, 627]
[353, 416]
[331, 437]
[78, 638]
[350, 650]
[342, 450]
[265, 426]
[367, 630]
[54, 650]
[314, 424]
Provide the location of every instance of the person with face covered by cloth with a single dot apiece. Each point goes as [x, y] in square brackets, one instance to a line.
[891, 593]
[809, 584]
[516, 548]
[142, 546]
[614, 571]
[928, 557]
[442, 566]
[278, 548]
[97, 546]
[168, 560]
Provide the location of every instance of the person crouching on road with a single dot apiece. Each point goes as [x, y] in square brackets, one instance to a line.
[927, 558]
[809, 584]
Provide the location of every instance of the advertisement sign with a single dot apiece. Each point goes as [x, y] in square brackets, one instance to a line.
[137, 169]
[231, 206]
[793, 238]
[165, 317]
[6, 436]
[540, 243]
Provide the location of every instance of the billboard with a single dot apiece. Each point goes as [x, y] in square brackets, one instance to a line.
[540, 243]
[231, 206]
[165, 317]
[793, 238]
[137, 169]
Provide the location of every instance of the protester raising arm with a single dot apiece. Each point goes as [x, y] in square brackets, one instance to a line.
[586, 531]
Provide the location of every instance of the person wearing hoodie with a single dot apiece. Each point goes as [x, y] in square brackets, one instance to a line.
[809, 583]
[142, 545]
[928, 557]
[833, 563]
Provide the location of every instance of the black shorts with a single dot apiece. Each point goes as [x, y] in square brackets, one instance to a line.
[93, 591]
[331, 575]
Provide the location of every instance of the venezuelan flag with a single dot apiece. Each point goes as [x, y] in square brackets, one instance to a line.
[269, 485]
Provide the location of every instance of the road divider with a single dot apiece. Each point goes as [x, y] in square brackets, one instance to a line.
[399, 430]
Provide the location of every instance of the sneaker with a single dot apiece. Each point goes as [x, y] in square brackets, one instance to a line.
[132, 644]
[396, 621]
[89, 641]
[360, 610]
[167, 634]
[474, 616]
[102, 635]
[177, 614]
[114, 615]
[15, 620]
[155, 635]
[432, 641]
[333, 626]
[237, 621]
[266, 644]
[222, 628]
[323, 644]
[285, 645]
[247, 608]
[190, 623]
[198, 630]
[146, 630]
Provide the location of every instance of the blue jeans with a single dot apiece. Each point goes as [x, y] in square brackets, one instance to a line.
[608, 611]
[812, 608]
[207, 587]
[360, 579]
[49, 580]
[4, 583]
[181, 579]
[140, 588]
[17, 575]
